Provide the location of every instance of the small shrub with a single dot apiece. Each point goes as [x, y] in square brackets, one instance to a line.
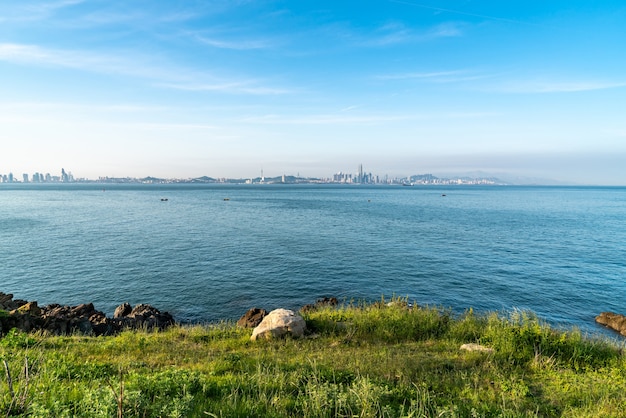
[17, 339]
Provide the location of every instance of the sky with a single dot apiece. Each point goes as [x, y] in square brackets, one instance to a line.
[170, 88]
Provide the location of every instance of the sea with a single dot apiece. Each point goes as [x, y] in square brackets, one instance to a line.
[209, 252]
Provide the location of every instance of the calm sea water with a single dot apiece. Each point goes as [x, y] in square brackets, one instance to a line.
[560, 252]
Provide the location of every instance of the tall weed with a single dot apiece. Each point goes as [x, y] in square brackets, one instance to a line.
[522, 337]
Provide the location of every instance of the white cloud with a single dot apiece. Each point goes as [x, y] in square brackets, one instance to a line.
[364, 119]
[142, 67]
[236, 45]
[34, 11]
[34, 54]
[558, 86]
[239, 87]
[463, 13]
[421, 75]
[444, 30]
[398, 33]
[49, 6]
[441, 77]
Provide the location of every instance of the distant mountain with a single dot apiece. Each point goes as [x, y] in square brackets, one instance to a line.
[203, 179]
[151, 179]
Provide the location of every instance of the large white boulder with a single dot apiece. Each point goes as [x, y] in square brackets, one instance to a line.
[278, 323]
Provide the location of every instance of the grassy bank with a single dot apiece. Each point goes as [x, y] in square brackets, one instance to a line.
[365, 361]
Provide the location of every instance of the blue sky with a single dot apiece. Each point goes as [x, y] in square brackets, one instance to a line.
[230, 88]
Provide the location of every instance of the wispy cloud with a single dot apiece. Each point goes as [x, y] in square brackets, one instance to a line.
[80, 60]
[27, 107]
[246, 87]
[391, 33]
[29, 12]
[456, 76]
[158, 74]
[167, 126]
[398, 33]
[421, 75]
[444, 30]
[349, 108]
[462, 13]
[241, 45]
[20, 53]
[50, 6]
[144, 17]
[539, 87]
[84, 14]
[363, 119]
[499, 85]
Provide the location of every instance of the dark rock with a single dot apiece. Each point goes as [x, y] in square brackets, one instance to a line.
[8, 304]
[616, 322]
[29, 308]
[143, 310]
[123, 310]
[85, 309]
[62, 320]
[325, 301]
[252, 318]
[5, 297]
[147, 316]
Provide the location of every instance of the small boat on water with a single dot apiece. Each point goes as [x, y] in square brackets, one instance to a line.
[164, 199]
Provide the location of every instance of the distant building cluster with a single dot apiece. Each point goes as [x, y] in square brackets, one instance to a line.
[358, 177]
[361, 177]
[65, 177]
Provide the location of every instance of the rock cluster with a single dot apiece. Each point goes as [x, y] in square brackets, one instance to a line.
[83, 319]
[616, 322]
[280, 322]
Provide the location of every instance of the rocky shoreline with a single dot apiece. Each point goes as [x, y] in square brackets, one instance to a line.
[84, 319]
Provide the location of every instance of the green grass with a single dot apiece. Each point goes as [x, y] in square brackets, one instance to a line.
[357, 361]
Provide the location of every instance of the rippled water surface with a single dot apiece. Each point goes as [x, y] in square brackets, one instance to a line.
[560, 252]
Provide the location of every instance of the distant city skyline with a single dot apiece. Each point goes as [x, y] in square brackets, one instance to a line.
[360, 176]
[227, 89]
